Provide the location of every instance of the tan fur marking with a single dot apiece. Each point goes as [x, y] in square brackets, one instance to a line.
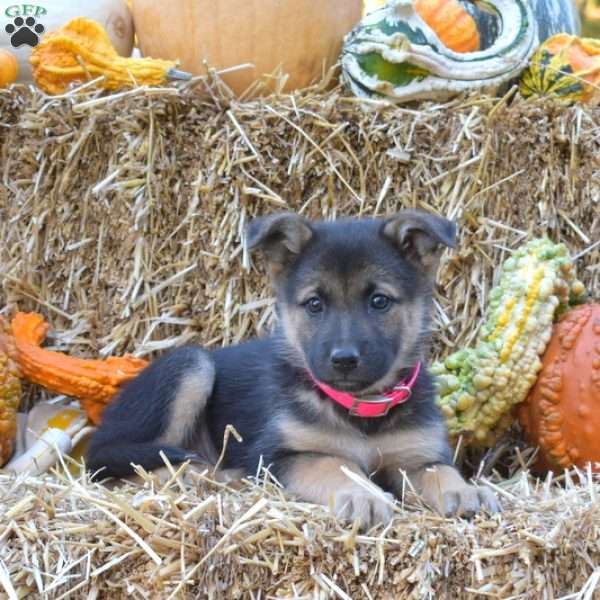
[321, 480]
[445, 491]
[317, 479]
[407, 450]
[190, 400]
[409, 323]
[411, 448]
[434, 483]
[292, 323]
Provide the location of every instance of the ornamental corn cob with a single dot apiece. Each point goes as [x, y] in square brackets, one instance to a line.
[478, 387]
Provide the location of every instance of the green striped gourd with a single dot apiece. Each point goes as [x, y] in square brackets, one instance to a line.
[394, 54]
[478, 387]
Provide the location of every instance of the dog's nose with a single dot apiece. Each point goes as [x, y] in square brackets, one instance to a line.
[345, 359]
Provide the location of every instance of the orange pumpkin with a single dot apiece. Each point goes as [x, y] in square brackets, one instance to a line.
[562, 413]
[9, 68]
[301, 36]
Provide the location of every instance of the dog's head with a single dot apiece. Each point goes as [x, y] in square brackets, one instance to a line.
[354, 296]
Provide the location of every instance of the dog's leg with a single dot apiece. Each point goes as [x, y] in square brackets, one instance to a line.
[444, 490]
[320, 479]
[160, 410]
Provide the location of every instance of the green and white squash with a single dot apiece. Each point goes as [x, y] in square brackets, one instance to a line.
[551, 17]
[394, 54]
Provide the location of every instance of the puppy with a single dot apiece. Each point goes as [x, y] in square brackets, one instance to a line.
[341, 381]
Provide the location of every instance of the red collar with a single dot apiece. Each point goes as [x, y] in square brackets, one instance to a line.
[372, 406]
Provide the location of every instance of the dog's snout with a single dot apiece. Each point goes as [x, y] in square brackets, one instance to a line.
[345, 359]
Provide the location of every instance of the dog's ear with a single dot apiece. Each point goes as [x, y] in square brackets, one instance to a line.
[280, 237]
[420, 236]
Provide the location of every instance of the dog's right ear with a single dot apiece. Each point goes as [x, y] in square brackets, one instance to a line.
[280, 237]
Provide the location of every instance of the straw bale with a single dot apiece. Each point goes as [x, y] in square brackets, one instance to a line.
[120, 216]
[121, 220]
[63, 537]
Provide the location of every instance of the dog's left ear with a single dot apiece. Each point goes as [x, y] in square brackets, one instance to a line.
[281, 237]
[420, 236]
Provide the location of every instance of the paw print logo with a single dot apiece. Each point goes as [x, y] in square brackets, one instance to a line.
[24, 31]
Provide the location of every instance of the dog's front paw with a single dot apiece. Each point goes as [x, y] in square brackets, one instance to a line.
[357, 503]
[446, 492]
[466, 501]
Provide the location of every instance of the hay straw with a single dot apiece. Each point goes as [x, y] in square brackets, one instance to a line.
[78, 538]
[124, 218]
[121, 219]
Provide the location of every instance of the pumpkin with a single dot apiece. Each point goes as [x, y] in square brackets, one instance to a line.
[451, 22]
[479, 387]
[303, 37]
[82, 50]
[93, 382]
[9, 68]
[394, 54]
[562, 413]
[49, 15]
[10, 392]
[566, 67]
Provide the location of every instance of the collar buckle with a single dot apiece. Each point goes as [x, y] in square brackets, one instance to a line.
[390, 402]
[374, 400]
[402, 387]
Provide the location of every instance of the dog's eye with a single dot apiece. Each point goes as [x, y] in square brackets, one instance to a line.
[380, 302]
[314, 305]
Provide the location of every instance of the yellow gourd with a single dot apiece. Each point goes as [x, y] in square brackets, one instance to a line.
[82, 50]
[479, 386]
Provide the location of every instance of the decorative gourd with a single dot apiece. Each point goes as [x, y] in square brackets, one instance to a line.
[93, 382]
[562, 413]
[452, 23]
[10, 392]
[49, 15]
[590, 17]
[303, 37]
[566, 67]
[81, 50]
[455, 27]
[9, 68]
[557, 16]
[478, 387]
[395, 55]
[551, 17]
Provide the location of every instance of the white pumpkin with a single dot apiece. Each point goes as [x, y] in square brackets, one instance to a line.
[22, 24]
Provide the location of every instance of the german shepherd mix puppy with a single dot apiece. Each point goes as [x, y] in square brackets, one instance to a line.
[340, 382]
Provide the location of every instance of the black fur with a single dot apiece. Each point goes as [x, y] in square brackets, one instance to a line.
[266, 379]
